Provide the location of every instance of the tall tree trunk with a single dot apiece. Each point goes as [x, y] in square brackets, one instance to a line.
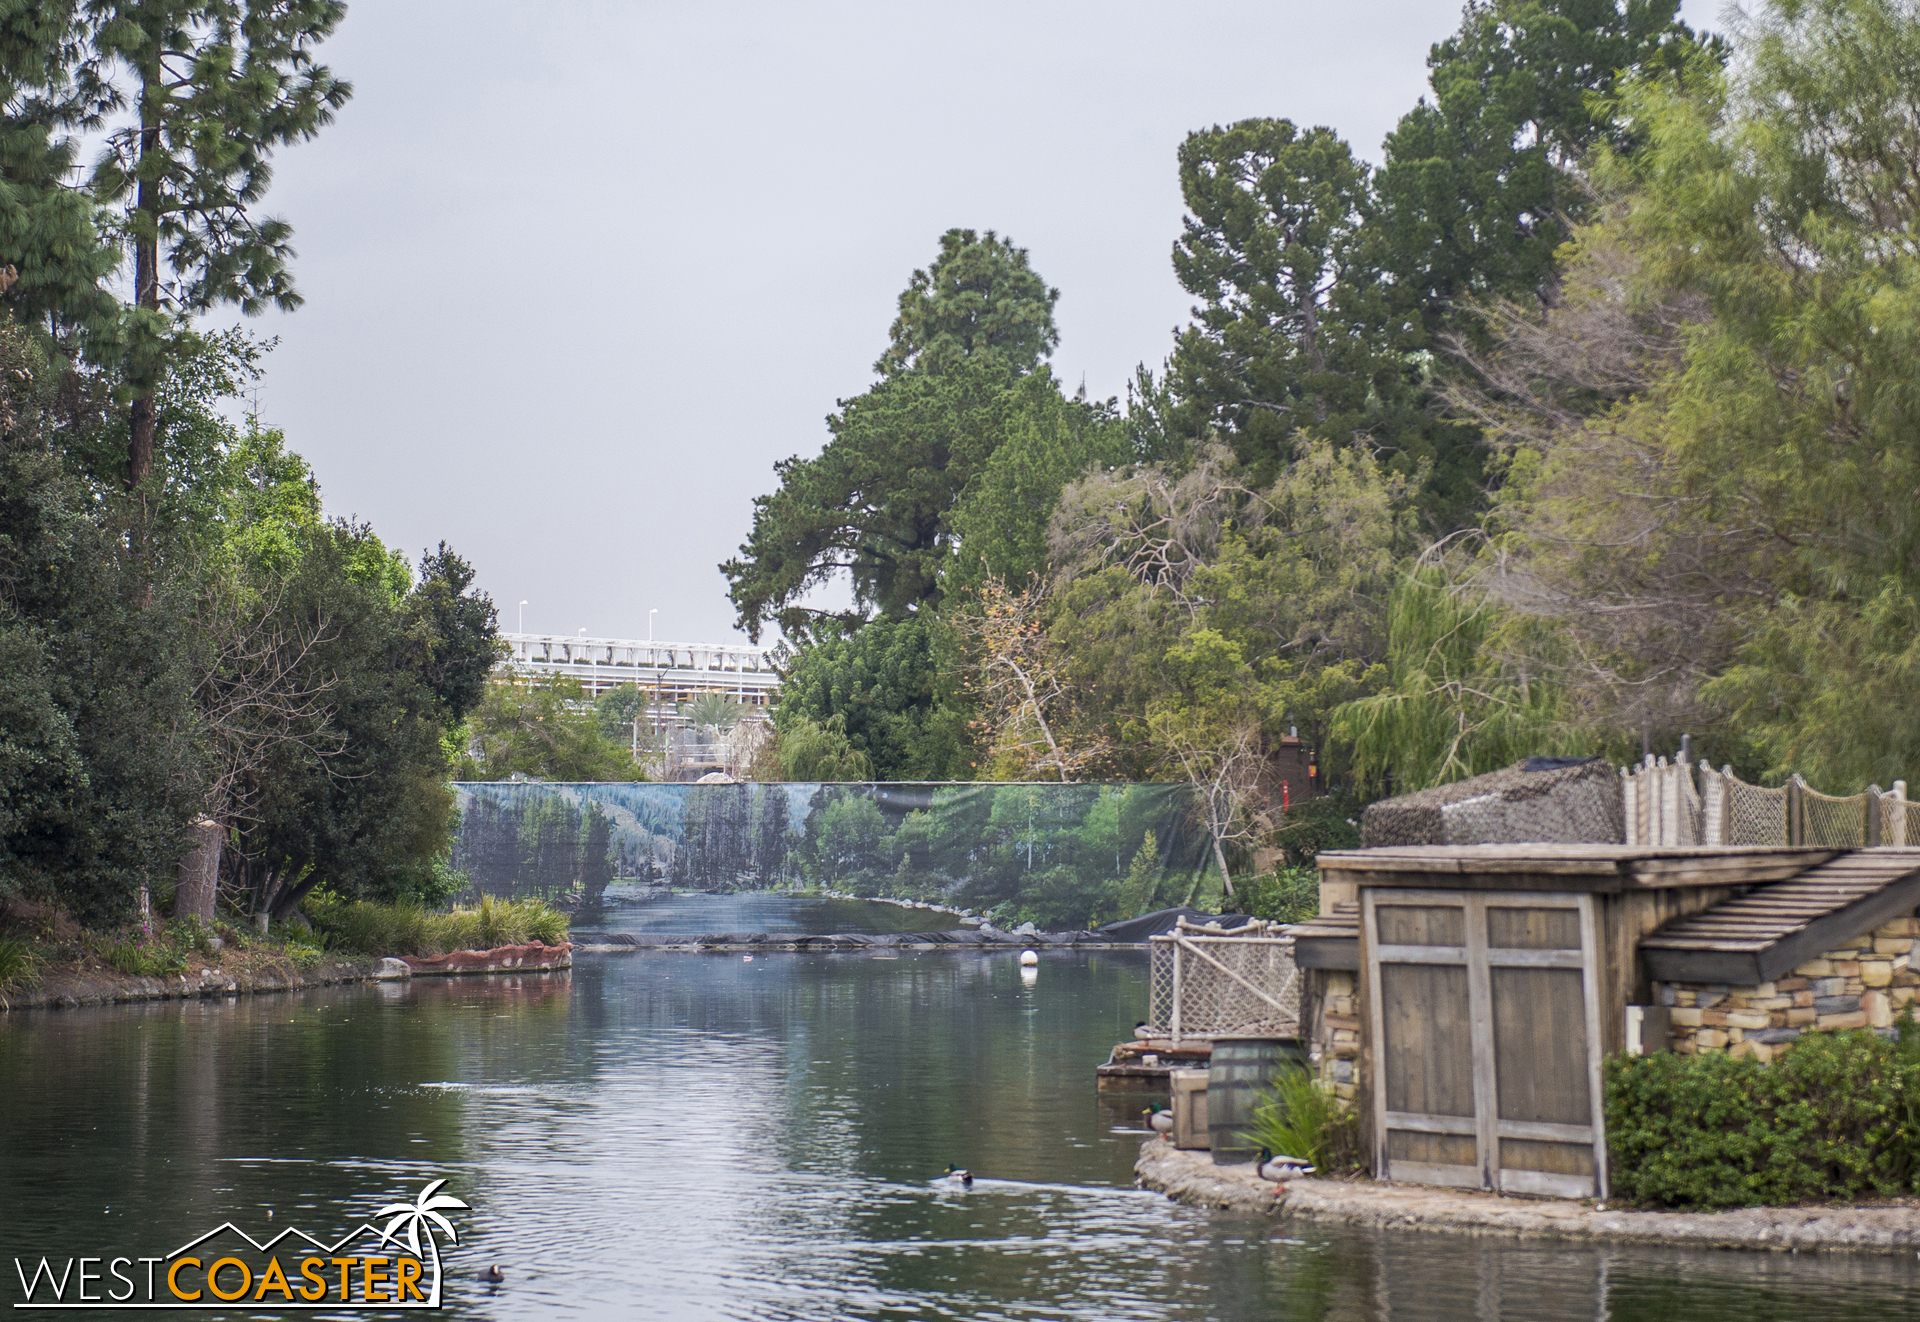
[200, 873]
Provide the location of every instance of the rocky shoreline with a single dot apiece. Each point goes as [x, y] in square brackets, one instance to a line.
[1192, 1178]
[248, 974]
[64, 989]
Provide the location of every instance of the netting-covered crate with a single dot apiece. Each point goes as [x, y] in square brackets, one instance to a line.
[1212, 984]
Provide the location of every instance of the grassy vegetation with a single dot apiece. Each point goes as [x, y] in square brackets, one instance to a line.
[1299, 1118]
[360, 927]
[19, 963]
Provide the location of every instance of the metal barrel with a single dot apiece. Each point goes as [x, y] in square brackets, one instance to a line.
[1241, 1070]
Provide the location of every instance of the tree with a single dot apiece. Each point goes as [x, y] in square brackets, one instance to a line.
[543, 728]
[1029, 721]
[213, 88]
[1454, 703]
[890, 687]
[101, 767]
[1477, 189]
[877, 503]
[1287, 334]
[809, 750]
[49, 230]
[979, 295]
[1760, 240]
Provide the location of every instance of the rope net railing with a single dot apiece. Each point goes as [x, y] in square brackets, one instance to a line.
[1664, 807]
[1207, 984]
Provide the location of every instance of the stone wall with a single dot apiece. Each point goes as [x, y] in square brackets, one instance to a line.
[1335, 1029]
[1864, 983]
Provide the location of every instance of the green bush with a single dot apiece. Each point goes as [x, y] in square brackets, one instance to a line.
[1288, 895]
[1837, 1116]
[19, 963]
[362, 927]
[1299, 1118]
[1326, 822]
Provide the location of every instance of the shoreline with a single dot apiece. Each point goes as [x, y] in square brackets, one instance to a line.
[70, 988]
[1190, 1177]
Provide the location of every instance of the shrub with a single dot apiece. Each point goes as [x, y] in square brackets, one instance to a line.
[1326, 822]
[19, 963]
[1837, 1116]
[1289, 895]
[137, 959]
[1299, 1118]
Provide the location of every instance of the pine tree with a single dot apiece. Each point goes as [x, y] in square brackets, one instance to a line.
[212, 88]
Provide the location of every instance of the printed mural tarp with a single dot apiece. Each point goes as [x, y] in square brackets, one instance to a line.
[1065, 854]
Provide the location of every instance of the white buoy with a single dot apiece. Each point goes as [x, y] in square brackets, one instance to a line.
[1028, 959]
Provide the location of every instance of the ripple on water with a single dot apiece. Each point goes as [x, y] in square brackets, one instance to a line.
[678, 1136]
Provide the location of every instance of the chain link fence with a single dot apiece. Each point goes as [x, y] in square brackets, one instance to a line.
[1207, 984]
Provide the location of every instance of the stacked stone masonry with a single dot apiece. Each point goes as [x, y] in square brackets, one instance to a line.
[1865, 983]
[1336, 1045]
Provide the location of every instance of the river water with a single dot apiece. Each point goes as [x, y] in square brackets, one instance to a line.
[673, 1135]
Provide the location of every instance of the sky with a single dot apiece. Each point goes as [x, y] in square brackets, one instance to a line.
[578, 273]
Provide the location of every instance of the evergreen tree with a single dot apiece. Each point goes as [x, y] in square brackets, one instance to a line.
[212, 88]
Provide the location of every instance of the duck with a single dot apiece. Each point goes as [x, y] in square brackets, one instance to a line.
[1142, 1032]
[1159, 1119]
[960, 1176]
[1270, 1167]
[493, 1275]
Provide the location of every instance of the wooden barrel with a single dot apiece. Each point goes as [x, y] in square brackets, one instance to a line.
[1238, 1076]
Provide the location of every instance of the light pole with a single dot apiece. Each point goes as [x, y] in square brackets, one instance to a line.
[653, 710]
[523, 617]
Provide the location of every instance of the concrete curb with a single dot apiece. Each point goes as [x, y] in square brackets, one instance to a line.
[1192, 1178]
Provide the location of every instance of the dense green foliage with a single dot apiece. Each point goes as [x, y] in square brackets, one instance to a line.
[363, 928]
[544, 729]
[883, 690]
[1285, 895]
[183, 634]
[1837, 1116]
[1298, 1117]
[1169, 589]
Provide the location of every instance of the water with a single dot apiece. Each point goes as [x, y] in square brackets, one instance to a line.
[631, 909]
[702, 1136]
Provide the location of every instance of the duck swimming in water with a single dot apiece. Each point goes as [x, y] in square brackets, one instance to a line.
[1270, 1167]
[960, 1176]
[1159, 1119]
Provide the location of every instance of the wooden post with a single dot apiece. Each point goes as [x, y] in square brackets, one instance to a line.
[1713, 815]
[1872, 836]
[1899, 832]
[1796, 811]
[1630, 806]
[1174, 1027]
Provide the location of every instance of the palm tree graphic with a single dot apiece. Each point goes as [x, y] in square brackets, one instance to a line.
[423, 1211]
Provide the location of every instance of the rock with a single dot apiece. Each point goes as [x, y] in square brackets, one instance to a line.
[390, 968]
[216, 944]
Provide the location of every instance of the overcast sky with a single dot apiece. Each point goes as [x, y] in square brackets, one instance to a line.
[578, 272]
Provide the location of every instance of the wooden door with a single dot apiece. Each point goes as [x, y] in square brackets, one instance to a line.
[1486, 1040]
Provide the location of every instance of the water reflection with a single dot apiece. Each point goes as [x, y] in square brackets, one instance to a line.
[701, 1136]
[633, 909]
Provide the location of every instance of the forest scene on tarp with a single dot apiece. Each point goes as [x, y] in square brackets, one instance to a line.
[1063, 856]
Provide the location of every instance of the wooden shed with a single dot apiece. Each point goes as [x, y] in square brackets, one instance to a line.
[1491, 979]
